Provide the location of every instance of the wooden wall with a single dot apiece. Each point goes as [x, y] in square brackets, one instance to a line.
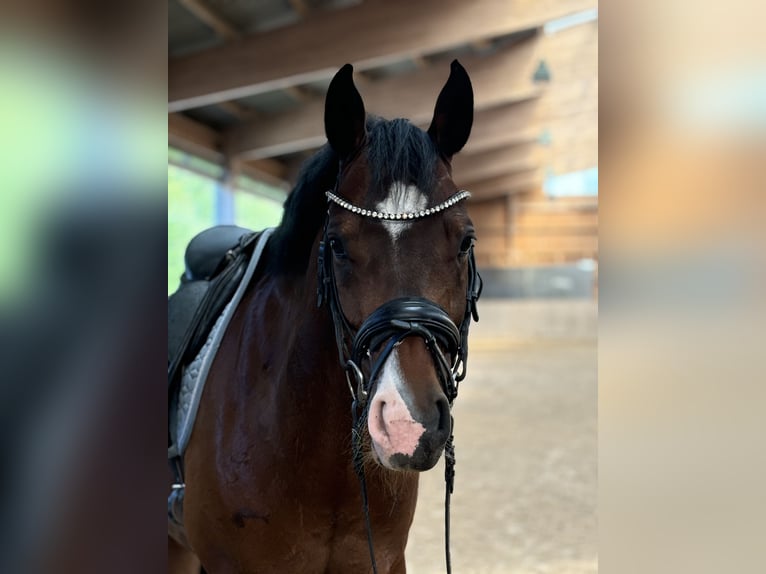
[529, 229]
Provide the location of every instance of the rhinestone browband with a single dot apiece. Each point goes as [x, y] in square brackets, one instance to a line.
[460, 195]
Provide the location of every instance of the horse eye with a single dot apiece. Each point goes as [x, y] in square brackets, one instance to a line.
[337, 247]
[466, 244]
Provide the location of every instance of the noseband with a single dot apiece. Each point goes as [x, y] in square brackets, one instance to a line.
[388, 326]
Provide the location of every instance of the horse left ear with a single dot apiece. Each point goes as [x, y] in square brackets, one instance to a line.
[453, 115]
[344, 115]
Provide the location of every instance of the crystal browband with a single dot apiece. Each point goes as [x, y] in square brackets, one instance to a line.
[460, 195]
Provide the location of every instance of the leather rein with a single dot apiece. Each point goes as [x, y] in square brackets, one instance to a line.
[383, 330]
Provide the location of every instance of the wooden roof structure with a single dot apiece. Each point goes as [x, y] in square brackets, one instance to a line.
[246, 81]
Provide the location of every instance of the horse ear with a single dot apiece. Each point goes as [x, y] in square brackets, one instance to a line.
[453, 115]
[344, 115]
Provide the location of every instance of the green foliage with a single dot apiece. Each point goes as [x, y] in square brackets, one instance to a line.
[256, 212]
[191, 209]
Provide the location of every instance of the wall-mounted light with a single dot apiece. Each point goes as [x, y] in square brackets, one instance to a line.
[542, 73]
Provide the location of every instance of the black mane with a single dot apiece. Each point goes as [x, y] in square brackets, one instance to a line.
[304, 213]
[396, 151]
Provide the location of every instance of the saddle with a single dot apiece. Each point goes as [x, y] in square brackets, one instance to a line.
[216, 261]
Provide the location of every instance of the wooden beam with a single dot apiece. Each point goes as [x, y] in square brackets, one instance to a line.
[507, 184]
[577, 158]
[572, 57]
[481, 144]
[560, 205]
[497, 79]
[297, 95]
[570, 99]
[267, 171]
[203, 12]
[575, 45]
[272, 167]
[523, 122]
[482, 45]
[194, 137]
[300, 7]
[573, 143]
[238, 111]
[472, 168]
[492, 219]
[362, 80]
[203, 141]
[503, 125]
[568, 108]
[374, 32]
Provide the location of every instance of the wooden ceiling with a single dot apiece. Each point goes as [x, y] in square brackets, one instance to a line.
[246, 80]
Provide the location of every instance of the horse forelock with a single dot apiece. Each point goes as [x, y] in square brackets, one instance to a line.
[399, 152]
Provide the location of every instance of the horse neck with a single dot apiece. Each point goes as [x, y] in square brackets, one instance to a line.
[308, 340]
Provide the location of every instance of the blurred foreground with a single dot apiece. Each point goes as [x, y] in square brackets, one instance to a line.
[82, 266]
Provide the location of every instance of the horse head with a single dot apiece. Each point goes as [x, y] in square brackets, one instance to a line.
[398, 254]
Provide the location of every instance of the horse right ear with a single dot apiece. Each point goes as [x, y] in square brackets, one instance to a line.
[453, 115]
[344, 115]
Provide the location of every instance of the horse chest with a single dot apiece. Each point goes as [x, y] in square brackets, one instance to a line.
[315, 532]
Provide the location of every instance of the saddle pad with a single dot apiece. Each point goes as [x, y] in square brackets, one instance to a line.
[195, 373]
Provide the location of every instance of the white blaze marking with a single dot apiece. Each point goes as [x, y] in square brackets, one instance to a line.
[401, 199]
[392, 378]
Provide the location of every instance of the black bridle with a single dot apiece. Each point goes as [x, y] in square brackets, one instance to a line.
[380, 333]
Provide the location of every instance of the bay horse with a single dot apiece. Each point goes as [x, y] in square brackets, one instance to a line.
[303, 399]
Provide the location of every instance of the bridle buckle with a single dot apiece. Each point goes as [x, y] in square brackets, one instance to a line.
[356, 372]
